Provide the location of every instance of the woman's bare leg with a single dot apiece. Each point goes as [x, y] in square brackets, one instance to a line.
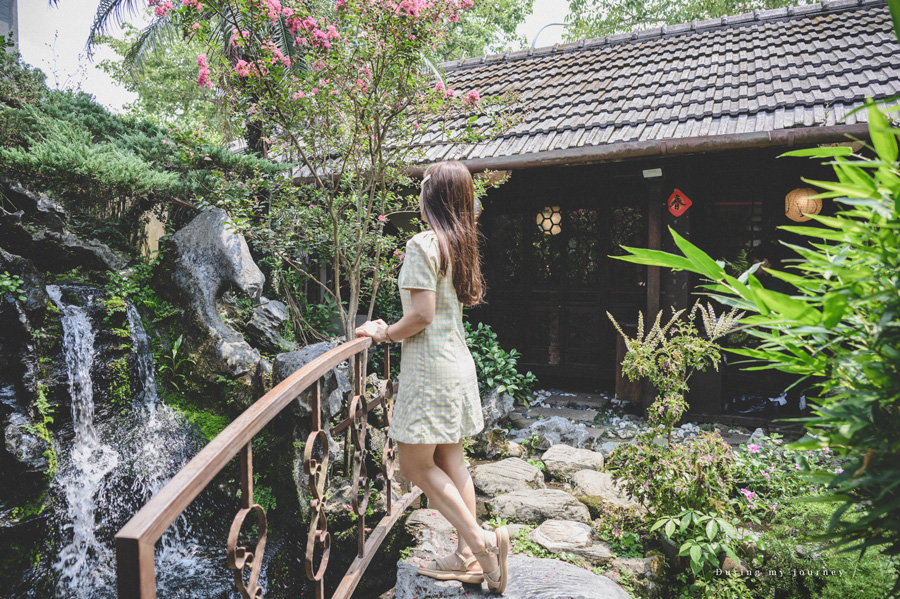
[450, 458]
[417, 463]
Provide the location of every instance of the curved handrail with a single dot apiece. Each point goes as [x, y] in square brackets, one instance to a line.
[135, 541]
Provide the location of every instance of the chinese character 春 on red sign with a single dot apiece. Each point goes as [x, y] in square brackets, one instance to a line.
[678, 203]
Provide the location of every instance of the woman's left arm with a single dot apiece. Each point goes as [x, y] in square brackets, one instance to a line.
[420, 314]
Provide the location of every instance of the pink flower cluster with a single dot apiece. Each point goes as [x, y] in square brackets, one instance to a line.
[316, 36]
[242, 68]
[472, 98]
[161, 7]
[203, 79]
[195, 3]
[410, 8]
[237, 37]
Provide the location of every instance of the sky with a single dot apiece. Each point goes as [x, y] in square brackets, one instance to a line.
[53, 39]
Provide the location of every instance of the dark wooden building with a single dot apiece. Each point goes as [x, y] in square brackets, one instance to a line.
[613, 126]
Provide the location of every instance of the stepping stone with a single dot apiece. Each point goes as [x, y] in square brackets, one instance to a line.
[562, 536]
[563, 461]
[647, 574]
[529, 578]
[596, 489]
[582, 400]
[520, 421]
[434, 535]
[568, 413]
[537, 506]
[506, 476]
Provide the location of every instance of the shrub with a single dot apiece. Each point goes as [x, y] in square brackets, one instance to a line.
[696, 474]
[841, 327]
[495, 367]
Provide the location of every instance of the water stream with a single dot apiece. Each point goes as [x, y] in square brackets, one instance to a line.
[112, 468]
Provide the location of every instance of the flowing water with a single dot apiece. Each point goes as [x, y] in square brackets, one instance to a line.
[112, 469]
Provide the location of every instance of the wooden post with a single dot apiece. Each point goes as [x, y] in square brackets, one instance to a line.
[654, 242]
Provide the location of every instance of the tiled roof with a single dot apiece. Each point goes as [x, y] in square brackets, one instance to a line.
[755, 73]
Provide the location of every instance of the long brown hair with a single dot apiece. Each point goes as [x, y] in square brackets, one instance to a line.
[448, 202]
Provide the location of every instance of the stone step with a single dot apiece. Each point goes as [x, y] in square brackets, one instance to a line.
[585, 400]
[574, 415]
[529, 578]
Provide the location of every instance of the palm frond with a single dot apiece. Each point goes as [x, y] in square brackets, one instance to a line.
[108, 12]
[153, 37]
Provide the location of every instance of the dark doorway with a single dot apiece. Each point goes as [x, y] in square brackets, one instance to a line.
[549, 234]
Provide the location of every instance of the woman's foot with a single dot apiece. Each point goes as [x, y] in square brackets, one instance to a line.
[493, 559]
[457, 566]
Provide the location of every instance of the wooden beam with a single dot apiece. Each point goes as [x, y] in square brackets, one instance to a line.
[654, 242]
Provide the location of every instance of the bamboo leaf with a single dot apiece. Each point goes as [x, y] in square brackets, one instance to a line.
[703, 264]
[819, 152]
[885, 144]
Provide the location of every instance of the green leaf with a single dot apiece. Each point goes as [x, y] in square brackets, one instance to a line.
[711, 529]
[670, 528]
[701, 261]
[655, 258]
[834, 306]
[885, 144]
[696, 554]
[820, 152]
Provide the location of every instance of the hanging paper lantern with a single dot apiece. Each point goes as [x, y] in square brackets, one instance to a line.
[799, 204]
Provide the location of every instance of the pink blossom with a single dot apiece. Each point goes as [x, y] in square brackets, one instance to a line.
[751, 506]
[161, 8]
[473, 98]
[454, 18]
[242, 68]
[274, 9]
[773, 506]
[753, 448]
[314, 91]
[382, 218]
[340, 4]
[363, 85]
[195, 26]
[298, 95]
[201, 60]
[797, 467]
[438, 87]
[332, 33]
[467, 4]
[748, 494]
[450, 93]
[838, 470]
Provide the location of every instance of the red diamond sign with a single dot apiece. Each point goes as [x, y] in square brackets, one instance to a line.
[678, 203]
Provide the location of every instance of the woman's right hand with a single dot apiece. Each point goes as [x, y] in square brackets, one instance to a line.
[376, 329]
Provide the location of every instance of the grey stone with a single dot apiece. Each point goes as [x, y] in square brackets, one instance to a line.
[201, 260]
[555, 430]
[568, 413]
[27, 448]
[538, 505]
[72, 250]
[434, 535]
[263, 328]
[757, 436]
[495, 407]
[607, 447]
[335, 383]
[529, 578]
[600, 487]
[647, 574]
[505, 476]
[561, 536]
[563, 461]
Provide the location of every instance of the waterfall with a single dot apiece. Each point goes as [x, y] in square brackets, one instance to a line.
[85, 562]
[114, 467]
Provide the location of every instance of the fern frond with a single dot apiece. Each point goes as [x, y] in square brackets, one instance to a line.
[109, 12]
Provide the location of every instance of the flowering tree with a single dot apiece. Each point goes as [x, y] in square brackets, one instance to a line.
[348, 102]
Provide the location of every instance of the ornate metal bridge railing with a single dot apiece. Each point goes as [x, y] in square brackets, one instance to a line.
[136, 541]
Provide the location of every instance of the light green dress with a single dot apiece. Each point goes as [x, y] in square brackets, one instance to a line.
[438, 399]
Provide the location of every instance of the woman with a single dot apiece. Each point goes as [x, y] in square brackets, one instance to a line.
[438, 403]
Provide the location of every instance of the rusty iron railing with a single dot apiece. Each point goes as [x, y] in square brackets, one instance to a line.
[136, 576]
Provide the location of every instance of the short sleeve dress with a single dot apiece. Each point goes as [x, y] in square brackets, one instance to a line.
[437, 400]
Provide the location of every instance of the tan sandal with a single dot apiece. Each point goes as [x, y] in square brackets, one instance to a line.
[441, 569]
[497, 580]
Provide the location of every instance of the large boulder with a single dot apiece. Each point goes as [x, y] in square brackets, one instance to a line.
[36, 230]
[264, 325]
[495, 407]
[24, 445]
[335, 383]
[536, 506]
[506, 476]
[563, 461]
[647, 574]
[529, 578]
[199, 262]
